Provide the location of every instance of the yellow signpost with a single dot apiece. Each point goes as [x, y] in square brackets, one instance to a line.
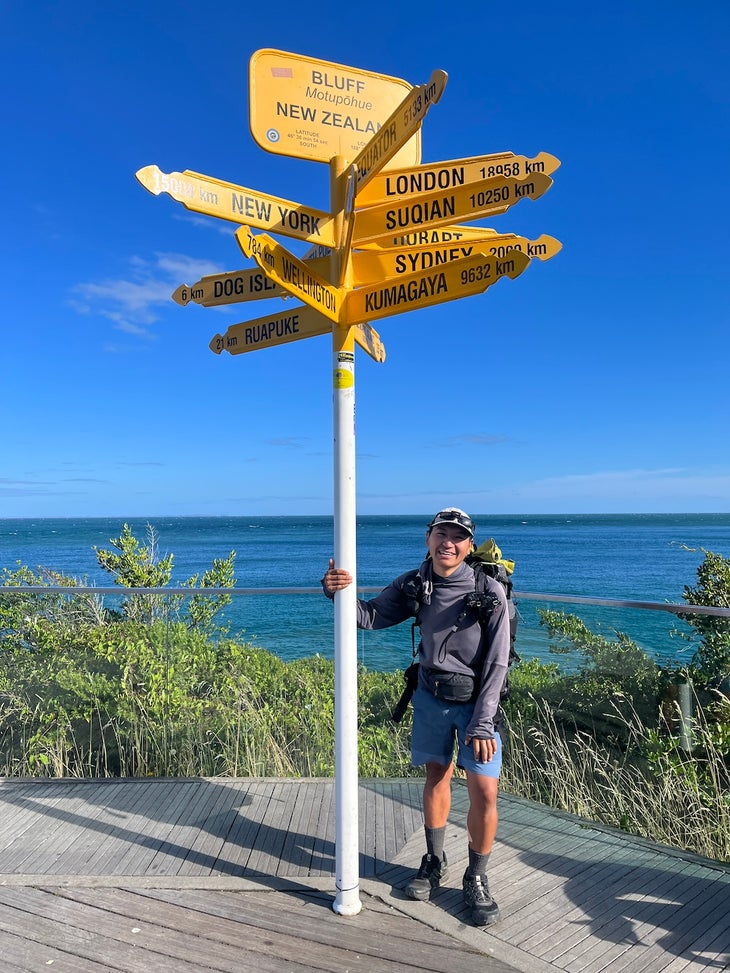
[393, 241]
[397, 129]
[291, 273]
[398, 183]
[214, 197]
[463, 277]
[300, 321]
[235, 287]
[277, 329]
[313, 109]
[231, 288]
[475, 201]
[369, 266]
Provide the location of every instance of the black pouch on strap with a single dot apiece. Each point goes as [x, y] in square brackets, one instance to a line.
[450, 687]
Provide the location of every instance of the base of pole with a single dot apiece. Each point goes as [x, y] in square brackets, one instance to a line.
[347, 903]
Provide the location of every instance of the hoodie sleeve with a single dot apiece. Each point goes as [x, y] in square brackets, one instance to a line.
[390, 607]
[494, 670]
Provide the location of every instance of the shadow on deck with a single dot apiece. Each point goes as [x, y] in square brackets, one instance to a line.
[238, 874]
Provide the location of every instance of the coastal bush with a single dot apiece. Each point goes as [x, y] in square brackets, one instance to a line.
[711, 661]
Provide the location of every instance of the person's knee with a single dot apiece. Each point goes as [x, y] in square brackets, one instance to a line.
[482, 791]
[438, 774]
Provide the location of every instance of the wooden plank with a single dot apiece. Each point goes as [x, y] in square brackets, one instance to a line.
[269, 944]
[19, 955]
[151, 813]
[296, 854]
[167, 853]
[271, 836]
[701, 918]
[577, 940]
[323, 852]
[45, 921]
[380, 938]
[54, 827]
[592, 886]
[241, 839]
[204, 847]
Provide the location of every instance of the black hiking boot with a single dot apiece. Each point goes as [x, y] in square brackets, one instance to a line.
[484, 910]
[430, 875]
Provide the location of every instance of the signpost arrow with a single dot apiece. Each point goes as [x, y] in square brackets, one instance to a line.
[291, 273]
[395, 132]
[235, 287]
[214, 197]
[369, 340]
[369, 266]
[297, 322]
[460, 278]
[432, 235]
[278, 329]
[398, 183]
[487, 198]
[231, 288]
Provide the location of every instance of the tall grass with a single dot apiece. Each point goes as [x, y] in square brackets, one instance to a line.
[650, 787]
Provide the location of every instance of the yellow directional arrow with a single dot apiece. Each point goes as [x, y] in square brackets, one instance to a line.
[432, 235]
[278, 329]
[451, 206]
[461, 278]
[369, 340]
[231, 288]
[291, 273]
[214, 197]
[397, 129]
[398, 183]
[369, 266]
[297, 322]
[235, 287]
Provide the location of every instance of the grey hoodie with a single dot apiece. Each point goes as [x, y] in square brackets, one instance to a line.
[448, 643]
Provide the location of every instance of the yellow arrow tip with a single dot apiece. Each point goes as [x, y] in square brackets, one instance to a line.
[216, 344]
[244, 238]
[181, 296]
[148, 177]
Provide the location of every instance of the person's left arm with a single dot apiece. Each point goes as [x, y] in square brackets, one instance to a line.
[480, 732]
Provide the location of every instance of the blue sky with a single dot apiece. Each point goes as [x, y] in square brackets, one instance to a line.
[596, 381]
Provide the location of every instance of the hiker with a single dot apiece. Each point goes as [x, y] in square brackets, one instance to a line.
[463, 656]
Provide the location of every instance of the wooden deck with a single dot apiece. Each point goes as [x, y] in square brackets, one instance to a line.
[237, 875]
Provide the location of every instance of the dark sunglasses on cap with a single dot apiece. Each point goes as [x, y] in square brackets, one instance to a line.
[453, 517]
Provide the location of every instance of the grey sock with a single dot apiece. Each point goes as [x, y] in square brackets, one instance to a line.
[435, 841]
[477, 863]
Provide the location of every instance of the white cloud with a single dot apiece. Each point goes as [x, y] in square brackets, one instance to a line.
[131, 303]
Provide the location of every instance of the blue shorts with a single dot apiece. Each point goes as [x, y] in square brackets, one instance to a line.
[436, 724]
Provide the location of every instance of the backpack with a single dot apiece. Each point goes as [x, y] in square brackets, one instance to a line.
[487, 561]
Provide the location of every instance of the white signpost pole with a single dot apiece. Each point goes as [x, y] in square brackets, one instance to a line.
[347, 880]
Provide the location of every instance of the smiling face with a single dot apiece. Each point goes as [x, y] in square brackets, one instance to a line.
[448, 545]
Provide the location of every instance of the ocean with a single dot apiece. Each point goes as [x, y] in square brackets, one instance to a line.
[633, 557]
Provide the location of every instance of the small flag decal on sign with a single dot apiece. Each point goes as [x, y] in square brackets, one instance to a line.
[282, 73]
